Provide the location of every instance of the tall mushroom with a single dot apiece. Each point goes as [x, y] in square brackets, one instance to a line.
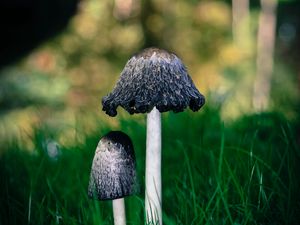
[113, 173]
[153, 81]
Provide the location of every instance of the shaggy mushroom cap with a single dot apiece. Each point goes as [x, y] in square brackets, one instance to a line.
[113, 173]
[153, 78]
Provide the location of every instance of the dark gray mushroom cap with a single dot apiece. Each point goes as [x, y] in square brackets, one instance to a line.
[153, 78]
[113, 173]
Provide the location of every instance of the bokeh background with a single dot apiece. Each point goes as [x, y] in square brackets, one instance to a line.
[62, 78]
[59, 58]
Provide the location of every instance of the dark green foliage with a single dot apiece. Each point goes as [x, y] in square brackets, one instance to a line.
[213, 173]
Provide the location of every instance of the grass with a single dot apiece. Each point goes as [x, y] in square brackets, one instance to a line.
[240, 173]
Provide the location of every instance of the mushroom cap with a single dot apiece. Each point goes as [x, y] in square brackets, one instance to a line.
[153, 78]
[113, 173]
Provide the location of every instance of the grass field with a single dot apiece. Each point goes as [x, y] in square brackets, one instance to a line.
[242, 172]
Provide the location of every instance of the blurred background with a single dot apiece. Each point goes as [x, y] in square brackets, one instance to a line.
[59, 58]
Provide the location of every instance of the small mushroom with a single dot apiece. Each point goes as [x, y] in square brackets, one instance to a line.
[153, 81]
[113, 174]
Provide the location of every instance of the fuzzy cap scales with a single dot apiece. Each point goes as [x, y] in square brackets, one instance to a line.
[113, 174]
[153, 78]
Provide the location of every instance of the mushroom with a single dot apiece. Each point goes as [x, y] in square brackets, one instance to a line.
[113, 174]
[153, 81]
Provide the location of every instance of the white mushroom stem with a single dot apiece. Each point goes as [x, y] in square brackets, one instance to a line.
[153, 168]
[119, 211]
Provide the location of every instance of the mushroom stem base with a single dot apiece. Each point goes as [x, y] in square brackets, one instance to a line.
[119, 211]
[153, 168]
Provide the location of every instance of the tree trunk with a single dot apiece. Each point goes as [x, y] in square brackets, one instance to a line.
[265, 52]
[240, 25]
